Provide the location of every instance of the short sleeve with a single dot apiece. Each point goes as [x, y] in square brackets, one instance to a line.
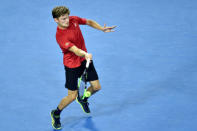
[81, 21]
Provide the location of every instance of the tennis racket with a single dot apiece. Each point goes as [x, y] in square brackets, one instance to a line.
[82, 82]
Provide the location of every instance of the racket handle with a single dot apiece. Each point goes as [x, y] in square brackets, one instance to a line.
[87, 63]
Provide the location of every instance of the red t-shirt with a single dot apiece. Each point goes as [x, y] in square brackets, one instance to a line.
[69, 37]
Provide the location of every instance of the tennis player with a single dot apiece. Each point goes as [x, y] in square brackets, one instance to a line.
[71, 42]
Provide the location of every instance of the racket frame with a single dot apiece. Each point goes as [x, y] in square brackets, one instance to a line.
[85, 79]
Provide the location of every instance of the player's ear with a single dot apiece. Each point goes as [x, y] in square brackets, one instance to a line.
[56, 20]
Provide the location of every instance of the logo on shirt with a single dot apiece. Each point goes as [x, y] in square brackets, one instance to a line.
[75, 24]
[67, 44]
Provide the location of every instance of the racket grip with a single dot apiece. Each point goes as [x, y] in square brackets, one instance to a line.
[87, 63]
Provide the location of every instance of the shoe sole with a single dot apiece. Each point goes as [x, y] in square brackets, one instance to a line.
[82, 107]
[54, 122]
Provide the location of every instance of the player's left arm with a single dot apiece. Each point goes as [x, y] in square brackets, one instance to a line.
[95, 25]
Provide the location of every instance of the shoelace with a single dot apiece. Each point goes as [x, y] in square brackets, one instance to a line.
[86, 103]
[57, 121]
[57, 118]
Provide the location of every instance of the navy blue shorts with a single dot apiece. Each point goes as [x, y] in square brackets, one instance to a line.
[72, 75]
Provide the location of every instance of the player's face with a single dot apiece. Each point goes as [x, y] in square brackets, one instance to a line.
[63, 21]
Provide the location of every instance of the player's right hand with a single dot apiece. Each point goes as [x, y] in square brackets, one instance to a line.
[88, 56]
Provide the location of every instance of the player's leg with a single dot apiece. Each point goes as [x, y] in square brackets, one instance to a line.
[55, 114]
[93, 79]
[71, 85]
[94, 86]
[68, 99]
[83, 104]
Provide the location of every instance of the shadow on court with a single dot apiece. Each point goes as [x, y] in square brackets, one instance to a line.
[80, 122]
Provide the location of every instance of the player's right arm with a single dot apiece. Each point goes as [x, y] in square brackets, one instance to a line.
[80, 52]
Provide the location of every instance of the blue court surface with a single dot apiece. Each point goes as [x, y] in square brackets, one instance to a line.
[147, 67]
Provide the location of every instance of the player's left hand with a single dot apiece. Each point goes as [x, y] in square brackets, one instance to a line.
[108, 29]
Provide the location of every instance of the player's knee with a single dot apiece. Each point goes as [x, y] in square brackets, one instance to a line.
[74, 96]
